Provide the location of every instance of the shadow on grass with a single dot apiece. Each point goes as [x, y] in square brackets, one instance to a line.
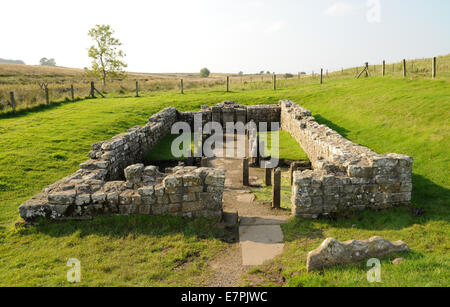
[123, 226]
[434, 199]
[321, 120]
[38, 108]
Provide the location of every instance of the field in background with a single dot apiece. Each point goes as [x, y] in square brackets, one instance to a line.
[409, 116]
[24, 81]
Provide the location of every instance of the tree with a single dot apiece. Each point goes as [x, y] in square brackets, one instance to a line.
[204, 72]
[47, 62]
[106, 57]
[241, 73]
[261, 72]
[268, 72]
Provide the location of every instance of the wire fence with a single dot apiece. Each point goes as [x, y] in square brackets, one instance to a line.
[14, 98]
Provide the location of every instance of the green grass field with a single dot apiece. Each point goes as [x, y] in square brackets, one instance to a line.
[388, 115]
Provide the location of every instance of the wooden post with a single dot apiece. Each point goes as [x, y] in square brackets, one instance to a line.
[72, 92]
[47, 99]
[13, 101]
[182, 86]
[245, 172]
[321, 76]
[268, 177]
[274, 82]
[92, 90]
[383, 70]
[137, 88]
[404, 68]
[434, 68]
[367, 70]
[228, 84]
[276, 189]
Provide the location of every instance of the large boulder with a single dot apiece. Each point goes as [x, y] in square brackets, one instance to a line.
[332, 252]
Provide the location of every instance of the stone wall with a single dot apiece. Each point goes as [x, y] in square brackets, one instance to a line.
[232, 112]
[346, 176]
[128, 148]
[111, 183]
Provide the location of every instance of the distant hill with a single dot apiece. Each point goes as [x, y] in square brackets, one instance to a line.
[12, 61]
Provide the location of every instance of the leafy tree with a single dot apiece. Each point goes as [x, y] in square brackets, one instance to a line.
[288, 75]
[106, 57]
[47, 62]
[241, 73]
[261, 72]
[268, 72]
[204, 72]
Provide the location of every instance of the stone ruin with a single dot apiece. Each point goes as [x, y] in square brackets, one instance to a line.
[345, 176]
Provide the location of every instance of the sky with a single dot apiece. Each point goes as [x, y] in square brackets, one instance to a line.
[229, 36]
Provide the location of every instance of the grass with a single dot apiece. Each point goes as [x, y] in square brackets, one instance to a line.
[163, 150]
[288, 148]
[264, 193]
[386, 114]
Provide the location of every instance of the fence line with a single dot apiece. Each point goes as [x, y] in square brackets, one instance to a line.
[13, 99]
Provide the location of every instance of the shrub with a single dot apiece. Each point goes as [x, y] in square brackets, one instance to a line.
[204, 73]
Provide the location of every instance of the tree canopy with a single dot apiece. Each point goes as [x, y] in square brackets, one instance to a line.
[105, 54]
[47, 62]
[204, 72]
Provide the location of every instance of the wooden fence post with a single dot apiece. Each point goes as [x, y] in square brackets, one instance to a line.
[321, 76]
[276, 189]
[367, 69]
[92, 89]
[228, 84]
[434, 68]
[383, 71]
[47, 99]
[268, 177]
[245, 172]
[404, 68]
[274, 82]
[13, 101]
[182, 86]
[72, 93]
[137, 89]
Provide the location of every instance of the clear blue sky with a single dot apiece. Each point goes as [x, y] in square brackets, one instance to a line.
[229, 36]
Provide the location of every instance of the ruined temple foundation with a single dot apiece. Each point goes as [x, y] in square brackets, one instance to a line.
[345, 176]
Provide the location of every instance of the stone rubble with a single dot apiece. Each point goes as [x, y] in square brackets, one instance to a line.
[332, 252]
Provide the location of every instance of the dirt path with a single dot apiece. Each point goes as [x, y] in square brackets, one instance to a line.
[261, 238]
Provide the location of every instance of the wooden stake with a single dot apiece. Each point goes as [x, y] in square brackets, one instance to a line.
[274, 82]
[137, 89]
[47, 99]
[13, 101]
[228, 84]
[245, 172]
[72, 92]
[268, 177]
[92, 90]
[276, 189]
[383, 71]
[321, 76]
[182, 86]
[404, 68]
[434, 68]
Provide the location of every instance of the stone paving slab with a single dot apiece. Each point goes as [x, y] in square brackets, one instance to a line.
[260, 243]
